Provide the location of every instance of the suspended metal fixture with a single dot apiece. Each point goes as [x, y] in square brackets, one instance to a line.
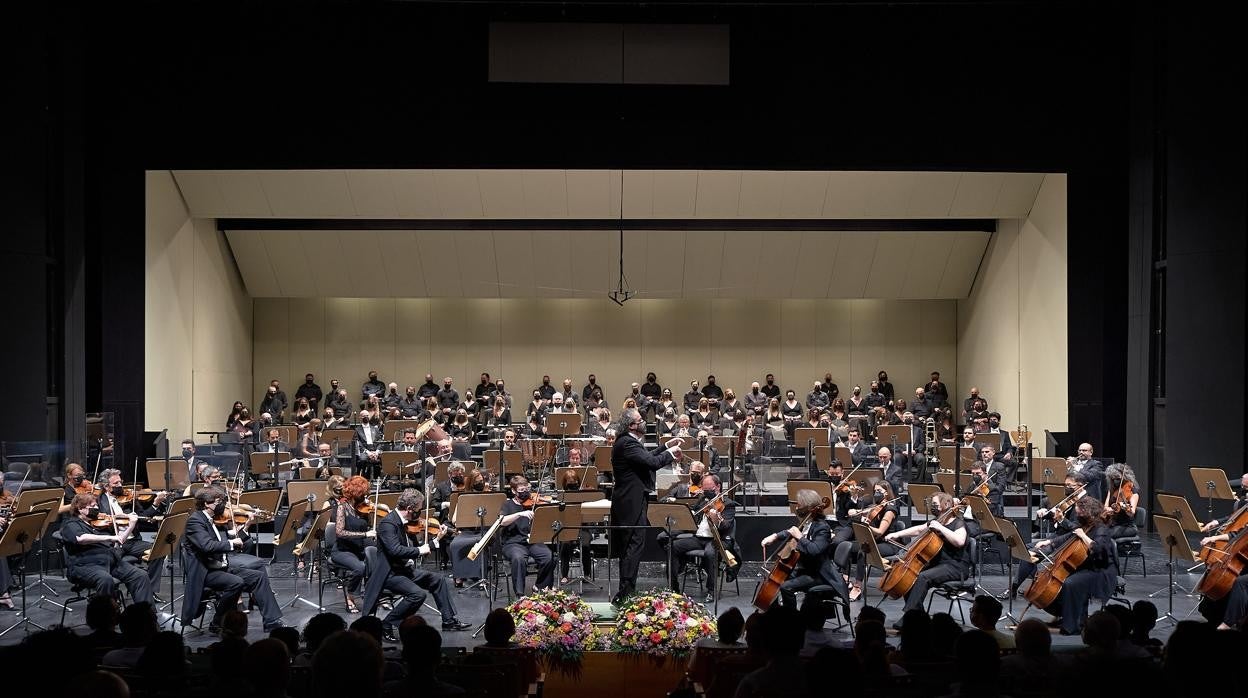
[621, 293]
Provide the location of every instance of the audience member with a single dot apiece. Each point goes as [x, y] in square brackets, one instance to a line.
[915, 642]
[814, 616]
[499, 628]
[871, 648]
[985, 614]
[1126, 649]
[266, 666]
[422, 652]
[102, 615]
[1033, 668]
[978, 661]
[1143, 620]
[138, 627]
[164, 659]
[783, 675]
[289, 637]
[945, 634]
[98, 684]
[346, 664]
[318, 627]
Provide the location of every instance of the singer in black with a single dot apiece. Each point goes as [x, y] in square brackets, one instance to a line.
[94, 554]
[206, 560]
[634, 469]
[393, 570]
[517, 524]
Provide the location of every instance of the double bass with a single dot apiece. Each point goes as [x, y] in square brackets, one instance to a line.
[786, 557]
[900, 577]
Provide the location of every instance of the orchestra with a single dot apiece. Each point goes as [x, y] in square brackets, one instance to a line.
[377, 549]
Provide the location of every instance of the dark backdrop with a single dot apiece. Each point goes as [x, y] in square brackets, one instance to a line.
[105, 93]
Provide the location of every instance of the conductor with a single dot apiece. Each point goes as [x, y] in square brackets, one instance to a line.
[634, 468]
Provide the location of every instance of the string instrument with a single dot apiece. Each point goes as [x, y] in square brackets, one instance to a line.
[1237, 520]
[368, 507]
[1122, 500]
[241, 515]
[982, 488]
[1049, 579]
[432, 526]
[1222, 568]
[717, 502]
[786, 557]
[900, 577]
[86, 487]
[110, 521]
[876, 510]
[534, 499]
[1064, 505]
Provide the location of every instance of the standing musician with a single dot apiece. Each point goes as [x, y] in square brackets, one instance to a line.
[1062, 524]
[368, 439]
[880, 514]
[352, 533]
[1122, 495]
[95, 558]
[1091, 469]
[206, 562]
[395, 570]
[724, 521]
[517, 513]
[634, 469]
[132, 549]
[1095, 577]
[950, 564]
[814, 546]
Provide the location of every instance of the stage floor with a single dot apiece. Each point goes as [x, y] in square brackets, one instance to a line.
[473, 606]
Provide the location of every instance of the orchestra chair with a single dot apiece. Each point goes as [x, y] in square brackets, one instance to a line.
[832, 600]
[337, 573]
[984, 547]
[959, 591]
[693, 563]
[1130, 546]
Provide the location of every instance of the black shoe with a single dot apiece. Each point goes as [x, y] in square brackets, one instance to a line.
[387, 634]
[1006, 595]
[270, 627]
[731, 575]
[156, 599]
[1055, 623]
[455, 624]
[1064, 631]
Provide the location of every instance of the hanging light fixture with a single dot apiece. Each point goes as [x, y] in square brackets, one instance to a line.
[621, 292]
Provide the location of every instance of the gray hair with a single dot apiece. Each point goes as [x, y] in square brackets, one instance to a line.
[628, 416]
[107, 474]
[410, 500]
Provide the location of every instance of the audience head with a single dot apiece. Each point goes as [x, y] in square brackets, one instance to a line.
[1100, 633]
[985, 612]
[782, 631]
[266, 666]
[234, 624]
[812, 613]
[978, 658]
[1143, 618]
[319, 627]
[499, 627]
[138, 624]
[98, 684]
[288, 636]
[370, 626]
[1123, 614]
[165, 656]
[422, 646]
[1032, 638]
[347, 663]
[102, 613]
[916, 634]
[945, 632]
[729, 625]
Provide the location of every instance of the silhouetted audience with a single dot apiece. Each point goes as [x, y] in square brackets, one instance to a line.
[138, 627]
[1033, 668]
[163, 661]
[985, 614]
[915, 642]
[346, 663]
[102, 616]
[266, 667]
[977, 659]
[783, 675]
[422, 652]
[318, 627]
[287, 636]
[1144, 619]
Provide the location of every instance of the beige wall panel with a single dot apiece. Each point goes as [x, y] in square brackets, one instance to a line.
[834, 335]
[674, 194]
[307, 343]
[730, 345]
[271, 359]
[448, 338]
[871, 321]
[361, 262]
[215, 393]
[412, 339]
[760, 328]
[483, 337]
[846, 195]
[308, 193]
[796, 347]
[718, 193]
[739, 269]
[253, 260]
[372, 194]
[415, 194]
[513, 256]
[545, 193]
[691, 345]
[803, 194]
[664, 263]
[668, 330]
[1042, 304]
[592, 193]
[607, 343]
[343, 337]
[377, 318]
[291, 266]
[169, 320]
[324, 253]
[940, 345]
[704, 251]
[222, 308]
[439, 263]
[852, 264]
[988, 326]
[761, 192]
[502, 193]
[977, 194]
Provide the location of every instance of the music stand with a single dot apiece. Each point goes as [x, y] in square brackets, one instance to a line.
[1175, 540]
[987, 521]
[177, 474]
[400, 465]
[866, 541]
[948, 455]
[312, 541]
[584, 474]
[602, 460]
[1048, 471]
[823, 488]
[513, 462]
[673, 518]
[948, 480]
[920, 492]
[18, 538]
[582, 496]
[180, 505]
[1213, 481]
[27, 500]
[804, 437]
[393, 429]
[472, 510]
[561, 521]
[50, 509]
[988, 439]
[1178, 507]
[261, 463]
[163, 546]
[294, 517]
[267, 499]
[310, 472]
[562, 424]
[1018, 551]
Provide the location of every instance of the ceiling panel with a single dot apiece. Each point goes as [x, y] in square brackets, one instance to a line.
[513, 257]
[761, 193]
[976, 195]
[776, 259]
[477, 263]
[459, 193]
[308, 193]
[324, 253]
[928, 258]
[888, 264]
[502, 193]
[596, 271]
[372, 193]
[400, 257]
[718, 194]
[854, 257]
[415, 194]
[674, 194]
[638, 195]
[803, 194]
[545, 194]
[244, 195]
[253, 263]
[554, 259]
[845, 195]
[816, 256]
[439, 262]
[1018, 193]
[962, 265]
[201, 193]
[889, 192]
[932, 194]
[592, 193]
[665, 263]
[704, 251]
[361, 259]
[294, 273]
[738, 272]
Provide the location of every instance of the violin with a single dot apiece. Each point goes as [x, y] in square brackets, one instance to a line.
[534, 499]
[419, 527]
[1122, 499]
[86, 487]
[240, 514]
[366, 507]
[850, 486]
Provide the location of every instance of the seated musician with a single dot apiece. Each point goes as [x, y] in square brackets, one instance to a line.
[75, 483]
[881, 514]
[396, 572]
[1095, 577]
[207, 563]
[702, 539]
[1230, 611]
[509, 440]
[208, 475]
[814, 547]
[843, 498]
[94, 554]
[111, 488]
[684, 490]
[352, 533]
[1062, 524]
[858, 449]
[792, 411]
[461, 544]
[950, 564]
[893, 471]
[990, 469]
[1239, 503]
[440, 501]
[517, 521]
[1122, 495]
[568, 549]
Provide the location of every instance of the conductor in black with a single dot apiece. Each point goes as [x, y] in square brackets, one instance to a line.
[634, 468]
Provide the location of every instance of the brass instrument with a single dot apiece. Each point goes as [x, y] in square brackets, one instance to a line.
[1022, 437]
[929, 426]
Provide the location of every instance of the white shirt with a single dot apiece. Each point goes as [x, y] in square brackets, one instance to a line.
[208, 515]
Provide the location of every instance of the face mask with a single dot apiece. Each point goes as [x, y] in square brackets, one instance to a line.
[457, 480]
[878, 497]
[755, 391]
[411, 395]
[545, 382]
[93, 513]
[836, 479]
[118, 491]
[218, 510]
[78, 479]
[523, 493]
[188, 452]
[479, 487]
[446, 385]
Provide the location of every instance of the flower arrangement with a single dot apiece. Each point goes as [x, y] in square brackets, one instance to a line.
[661, 623]
[555, 622]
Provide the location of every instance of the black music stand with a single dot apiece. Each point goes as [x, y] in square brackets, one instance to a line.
[474, 509]
[562, 521]
[1018, 551]
[313, 539]
[1171, 530]
[33, 500]
[671, 518]
[163, 546]
[1213, 481]
[21, 534]
[563, 425]
[866, 542]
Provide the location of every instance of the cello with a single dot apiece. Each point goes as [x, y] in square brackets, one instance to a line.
[786, 557]
[1223, 568]
[1048, 582]
[900, 577]
[1235, 522]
